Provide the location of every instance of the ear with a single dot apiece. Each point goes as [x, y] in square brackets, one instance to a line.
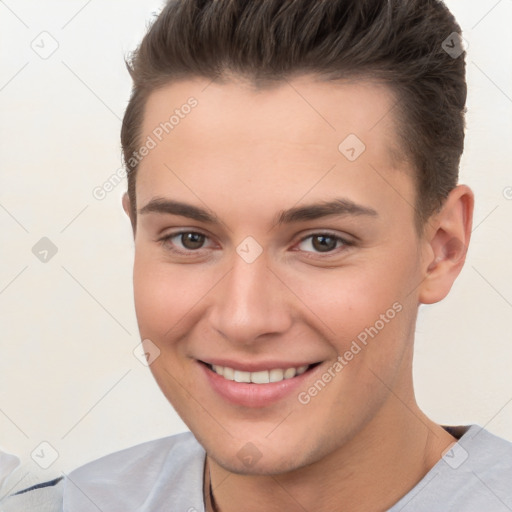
[447, 237]
[127, 207]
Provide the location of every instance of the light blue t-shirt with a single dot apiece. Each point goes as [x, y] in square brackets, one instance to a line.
[475, 475]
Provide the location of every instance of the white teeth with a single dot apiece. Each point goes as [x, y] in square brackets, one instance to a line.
[276, 375]
[228, 373]
[289, 373]
[302, 369]
[242, 376]
[261, 377]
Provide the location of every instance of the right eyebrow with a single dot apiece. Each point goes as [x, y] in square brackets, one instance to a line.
[169, 206]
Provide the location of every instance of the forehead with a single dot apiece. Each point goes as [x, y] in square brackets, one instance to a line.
[287, 135]
[312, 110]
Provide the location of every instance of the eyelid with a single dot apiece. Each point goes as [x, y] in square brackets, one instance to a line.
[181, 231]
[346, 242]
[345, 238]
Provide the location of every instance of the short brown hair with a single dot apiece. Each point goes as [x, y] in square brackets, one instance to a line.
[399, 42]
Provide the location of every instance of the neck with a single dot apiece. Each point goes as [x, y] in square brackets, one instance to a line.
[371, 472]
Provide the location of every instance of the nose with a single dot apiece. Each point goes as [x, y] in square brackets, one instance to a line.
[250, 303]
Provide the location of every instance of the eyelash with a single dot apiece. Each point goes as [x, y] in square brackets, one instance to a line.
[345, 244]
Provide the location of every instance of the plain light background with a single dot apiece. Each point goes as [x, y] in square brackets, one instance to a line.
[68, 375]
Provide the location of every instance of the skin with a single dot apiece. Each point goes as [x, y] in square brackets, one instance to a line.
[245, 156]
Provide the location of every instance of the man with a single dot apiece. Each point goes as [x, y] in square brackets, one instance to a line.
[293, 195]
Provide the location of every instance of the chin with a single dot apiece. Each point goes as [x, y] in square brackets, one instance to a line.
[276, 465]
[262, 457]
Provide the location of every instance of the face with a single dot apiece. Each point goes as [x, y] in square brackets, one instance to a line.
[276, 266]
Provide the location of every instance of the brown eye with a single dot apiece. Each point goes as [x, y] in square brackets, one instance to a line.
[192, 240]
[323, 243]
[191, 244]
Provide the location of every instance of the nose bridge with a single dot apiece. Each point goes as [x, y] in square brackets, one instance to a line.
[250, 303]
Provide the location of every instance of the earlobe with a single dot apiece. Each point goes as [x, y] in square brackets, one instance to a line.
[448, 240]
[126, 203]
[128, 210]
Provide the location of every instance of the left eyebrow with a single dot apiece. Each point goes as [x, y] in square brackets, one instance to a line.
[340, 207]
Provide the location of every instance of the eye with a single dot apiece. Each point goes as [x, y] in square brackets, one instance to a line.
[322, 243]
[185, 241]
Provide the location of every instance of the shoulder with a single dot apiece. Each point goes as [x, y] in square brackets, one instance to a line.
[149, 476]
[481, 458]
[43, 497]
[475, 474]
[170, 452]
[156, 475]
[488, 464]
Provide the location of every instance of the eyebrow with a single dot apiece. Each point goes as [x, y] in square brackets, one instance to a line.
[339, 207]
[171, 207]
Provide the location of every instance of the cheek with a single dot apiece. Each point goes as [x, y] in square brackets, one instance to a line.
[357, 296]
[366, 312]
[164, 294]
[154, 305]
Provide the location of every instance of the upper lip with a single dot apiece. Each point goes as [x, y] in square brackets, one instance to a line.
[253, 366]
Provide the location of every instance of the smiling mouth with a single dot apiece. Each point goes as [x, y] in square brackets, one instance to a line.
[260, 377]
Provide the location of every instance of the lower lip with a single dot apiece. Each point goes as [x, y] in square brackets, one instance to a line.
[254, 395]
